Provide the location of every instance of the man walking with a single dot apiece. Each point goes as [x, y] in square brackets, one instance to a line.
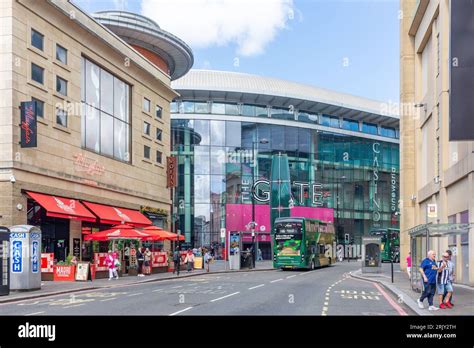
[176, 260]
[429, 271]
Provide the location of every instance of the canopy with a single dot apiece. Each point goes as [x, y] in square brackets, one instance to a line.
[164, 234]
[61, 207]
[112, 215]
[121, 232]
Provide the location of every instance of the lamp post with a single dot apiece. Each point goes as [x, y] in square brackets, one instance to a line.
[255, 250]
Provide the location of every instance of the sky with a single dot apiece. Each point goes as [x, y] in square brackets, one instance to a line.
[349, 46]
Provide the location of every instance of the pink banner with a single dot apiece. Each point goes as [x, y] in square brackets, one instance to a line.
[239, 215]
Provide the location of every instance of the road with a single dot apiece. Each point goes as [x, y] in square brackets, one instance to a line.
[326, 291]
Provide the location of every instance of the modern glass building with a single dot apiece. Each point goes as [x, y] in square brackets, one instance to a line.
[343, 156]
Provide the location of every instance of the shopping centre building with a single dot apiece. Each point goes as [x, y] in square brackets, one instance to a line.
[343, 156]
[437, 165]
[96, 155]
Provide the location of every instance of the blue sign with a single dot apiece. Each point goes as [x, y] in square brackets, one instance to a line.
[17, 235]
[34, 256]
[34, 235]
[17, 256]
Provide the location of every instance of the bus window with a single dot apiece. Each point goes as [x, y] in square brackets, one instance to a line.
[322, 249]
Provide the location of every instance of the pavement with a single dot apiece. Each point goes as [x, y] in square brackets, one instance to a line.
[326, 291]
[463, 295]
[49, 288]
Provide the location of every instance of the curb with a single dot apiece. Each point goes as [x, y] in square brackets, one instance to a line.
[33, 296]
[396, 292]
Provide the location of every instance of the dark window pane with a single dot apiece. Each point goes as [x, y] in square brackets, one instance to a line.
[281, 113]
[307, 117]
[146, 128]
[387, 132]
[39, 107]
[61, 85]
[37, 39]
[278, 138]
[159, 134]
[369, 128]
[158, 156]
[146, 105]
[231, 109]
[61, 54]
[261, 111]
[158, 111]
[350, 125]
[146, 151]
[37, 73]
[61, 117]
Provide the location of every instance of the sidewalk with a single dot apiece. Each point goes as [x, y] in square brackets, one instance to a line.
[401, 288]
[49, 288]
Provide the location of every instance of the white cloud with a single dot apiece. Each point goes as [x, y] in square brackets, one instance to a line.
[250, 24]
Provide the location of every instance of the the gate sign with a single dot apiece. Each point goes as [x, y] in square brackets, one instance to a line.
[17, 256]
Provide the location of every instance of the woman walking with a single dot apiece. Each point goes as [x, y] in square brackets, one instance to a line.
[189, 260]
[111, 261]
[147, 262]
[140, 259]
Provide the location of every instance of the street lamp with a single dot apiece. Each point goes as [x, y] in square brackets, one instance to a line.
[262, 141]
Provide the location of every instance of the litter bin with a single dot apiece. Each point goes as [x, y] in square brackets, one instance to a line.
[25, 255]
[4, 261]
[371, 260]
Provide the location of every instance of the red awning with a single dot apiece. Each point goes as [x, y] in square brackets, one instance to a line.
[61, 207]
[113, 215]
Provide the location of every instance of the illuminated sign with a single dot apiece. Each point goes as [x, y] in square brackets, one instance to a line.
[28, 125]
[171, 172]
[375, 199]
[261, 191]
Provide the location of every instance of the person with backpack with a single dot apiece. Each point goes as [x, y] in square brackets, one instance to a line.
[176, 260]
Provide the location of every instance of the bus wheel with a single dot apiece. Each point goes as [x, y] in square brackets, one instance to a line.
[312, 265]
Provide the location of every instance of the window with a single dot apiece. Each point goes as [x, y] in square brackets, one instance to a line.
[261, 111]
[387, 132]
[282, 113]
[329, 121]
[200, 108]
[105, 118]
[159, 134]
[187, 107]
[369, 128]
[174, 107]
[158, 111]
[61, 117]
[37, 73]
[37, 39]
[146, 151]
[307, 117]
[248, 110]
[231, 109]
[146, 105]
[39, 107]
[61, 54]
[218, 108]
[159, 156]
[61, 85]
[146, 128]
[350, 125]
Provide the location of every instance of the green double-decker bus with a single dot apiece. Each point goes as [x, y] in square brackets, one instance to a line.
[302, 243]
[390, 243]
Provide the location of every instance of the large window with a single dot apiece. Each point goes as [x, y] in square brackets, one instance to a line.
[329, 121]
[37, 39]
[350, 125]
[37, 73]
[369, 128]
[387, 132]
[106, 117]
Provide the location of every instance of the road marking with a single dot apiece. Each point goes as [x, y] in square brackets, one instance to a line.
[175, 287]
[192, 284]
[294, 275]
[34, 313]
[327, 298]
[157, 290]
[220, 298]
[108, 299]
[136, 294]
[258, 286]
[325, 309]
[276, 280]
[390, 301]
[326, 303]
[181, 311]
[77, 305]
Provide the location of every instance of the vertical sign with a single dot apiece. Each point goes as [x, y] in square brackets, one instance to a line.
[28, 124]
[35, 256]
[461, 102]
[76, 247]
[17, 240]
[171, 171]
[432, 211]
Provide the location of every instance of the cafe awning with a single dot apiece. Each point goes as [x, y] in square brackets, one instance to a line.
[62, 207]
[113, 215]
[121, 232]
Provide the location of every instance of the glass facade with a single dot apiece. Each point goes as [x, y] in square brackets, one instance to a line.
[359, 176]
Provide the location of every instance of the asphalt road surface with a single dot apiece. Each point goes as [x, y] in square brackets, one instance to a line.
[326, 291]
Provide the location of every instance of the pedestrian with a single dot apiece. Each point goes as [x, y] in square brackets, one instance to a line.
[260, 257]
[207, 259]
[111, 262]
[147, 261]
[429, 272]
[452, 276]
[176, 260]
[443, 284]
[140, 259]
[189, 260]
[409, 265]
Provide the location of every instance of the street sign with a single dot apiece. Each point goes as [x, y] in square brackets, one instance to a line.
[432, 211]
[222, 232]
